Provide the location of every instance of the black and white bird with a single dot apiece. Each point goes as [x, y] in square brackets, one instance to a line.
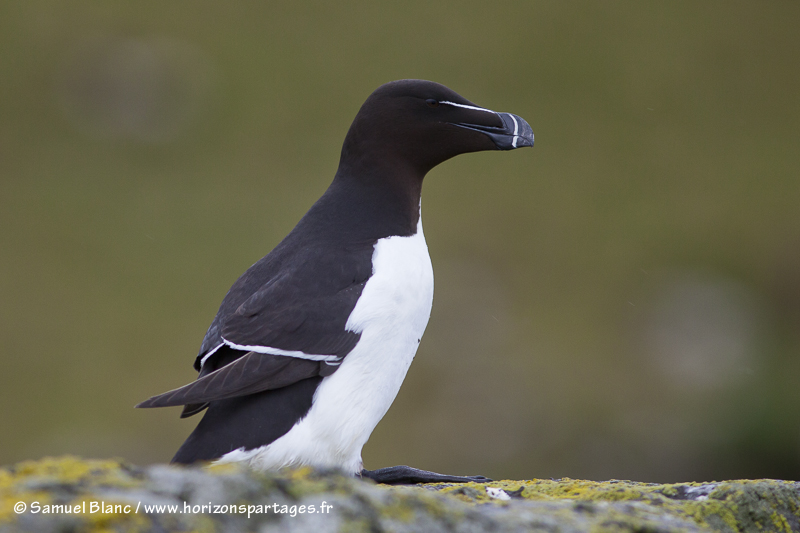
[311, 344]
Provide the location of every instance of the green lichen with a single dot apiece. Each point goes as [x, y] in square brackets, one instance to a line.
[780, 522]
[304, 480]
[731, 506]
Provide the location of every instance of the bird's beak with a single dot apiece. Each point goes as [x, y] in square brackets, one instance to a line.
[515, 133]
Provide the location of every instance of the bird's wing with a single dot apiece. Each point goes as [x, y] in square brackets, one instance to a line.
[251, 373]
[281, 334]
[306, 321]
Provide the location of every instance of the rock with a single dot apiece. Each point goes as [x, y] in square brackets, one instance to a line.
[72, 494]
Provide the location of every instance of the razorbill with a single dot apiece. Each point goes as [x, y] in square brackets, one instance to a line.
[311, 344]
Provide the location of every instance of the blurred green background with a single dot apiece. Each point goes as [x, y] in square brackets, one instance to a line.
[621, 301]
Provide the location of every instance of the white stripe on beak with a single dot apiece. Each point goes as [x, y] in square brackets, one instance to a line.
[516, 130]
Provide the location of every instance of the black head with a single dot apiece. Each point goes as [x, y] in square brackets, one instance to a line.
[418, 124]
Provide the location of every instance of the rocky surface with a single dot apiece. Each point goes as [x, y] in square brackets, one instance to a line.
[71, 494]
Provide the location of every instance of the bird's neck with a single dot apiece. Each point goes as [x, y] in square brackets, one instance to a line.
[372, 201]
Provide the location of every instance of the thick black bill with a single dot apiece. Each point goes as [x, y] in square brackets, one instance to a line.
[515, 132]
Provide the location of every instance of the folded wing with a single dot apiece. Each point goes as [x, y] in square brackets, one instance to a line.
[251, 373]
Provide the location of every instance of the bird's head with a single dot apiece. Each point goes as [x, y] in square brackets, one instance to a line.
[421, 124]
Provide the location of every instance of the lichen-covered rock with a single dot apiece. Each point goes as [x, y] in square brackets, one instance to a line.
[71, 494]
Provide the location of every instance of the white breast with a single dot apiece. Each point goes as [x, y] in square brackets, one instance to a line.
[391, 316]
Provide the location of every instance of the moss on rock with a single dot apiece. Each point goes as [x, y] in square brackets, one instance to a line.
[72, 494]
[743, 505]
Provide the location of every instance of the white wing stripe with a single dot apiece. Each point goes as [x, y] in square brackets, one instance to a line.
[210, 353]
[278, 351]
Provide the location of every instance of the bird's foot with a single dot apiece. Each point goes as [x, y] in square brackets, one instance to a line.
[405, 475]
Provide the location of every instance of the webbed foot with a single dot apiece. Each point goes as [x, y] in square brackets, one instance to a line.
[405, 475]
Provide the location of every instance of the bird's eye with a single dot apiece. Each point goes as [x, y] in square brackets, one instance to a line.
[432, 103]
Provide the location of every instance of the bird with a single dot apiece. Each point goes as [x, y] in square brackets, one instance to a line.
[310, 346]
